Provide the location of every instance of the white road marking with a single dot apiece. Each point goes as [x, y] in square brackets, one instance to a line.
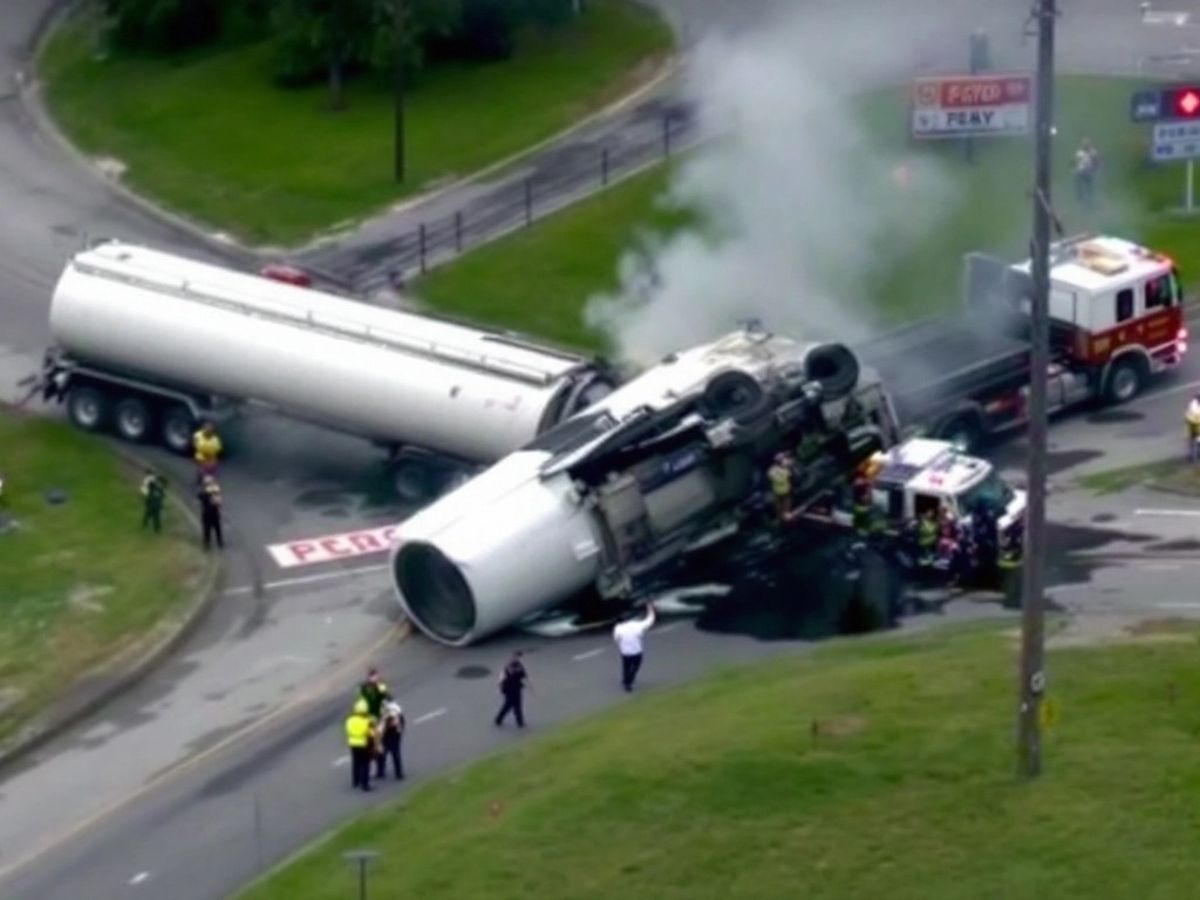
[666, 628]
[139, 877]
[339, 762]
[430, 716]
[1179, 605]
[1160, 567]
[1184, 513]
[581, 656]
[307, 579]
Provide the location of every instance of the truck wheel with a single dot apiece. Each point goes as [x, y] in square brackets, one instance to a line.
[735, 394]
[1125, 380]
[835, 367]
[176, 429]
[413, 481]
[88, 407]
[964, 432]
[131, 419]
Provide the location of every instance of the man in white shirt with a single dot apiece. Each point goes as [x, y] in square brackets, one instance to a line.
[628, 634]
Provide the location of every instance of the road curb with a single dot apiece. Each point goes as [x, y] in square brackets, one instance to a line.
[133, 663]
[29, 94]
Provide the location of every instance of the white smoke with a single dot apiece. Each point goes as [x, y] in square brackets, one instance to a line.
[799, 204]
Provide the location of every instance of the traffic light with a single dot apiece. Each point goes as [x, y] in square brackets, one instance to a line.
[1183, 102]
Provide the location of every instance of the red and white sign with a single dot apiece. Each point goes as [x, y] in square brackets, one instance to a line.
[957, 106]
[310, 551]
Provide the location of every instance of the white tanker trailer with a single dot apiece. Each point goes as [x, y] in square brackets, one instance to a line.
[661, 468]
[150, 344]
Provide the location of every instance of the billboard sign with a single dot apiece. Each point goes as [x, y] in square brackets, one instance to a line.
[961, 106]
[1175, 140]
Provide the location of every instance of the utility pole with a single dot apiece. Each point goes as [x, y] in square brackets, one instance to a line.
[398, 12]
[1033, 676]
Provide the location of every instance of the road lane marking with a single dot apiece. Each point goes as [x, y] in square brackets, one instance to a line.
[1179, 605]
[339, 762]
[581, 656]
[1160, 567]
[666, 628]
[139, 877]
[307, 579]
[329, 547]
[430, 716]
[1185, 513]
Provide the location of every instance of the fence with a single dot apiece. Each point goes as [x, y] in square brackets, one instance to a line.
[560, 177]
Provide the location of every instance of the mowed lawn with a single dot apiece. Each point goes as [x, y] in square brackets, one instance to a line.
[539, 280]
[210, 136]
[878, 767]
[79, 581]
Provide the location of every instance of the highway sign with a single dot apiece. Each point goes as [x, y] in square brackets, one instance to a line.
[961, 106]
[1177, 101]
[1175, 140]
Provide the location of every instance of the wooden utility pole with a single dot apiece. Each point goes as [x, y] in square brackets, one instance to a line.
[1033, 673]
[398, 11]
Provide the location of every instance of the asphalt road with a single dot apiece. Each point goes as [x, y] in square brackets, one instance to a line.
[172, 745]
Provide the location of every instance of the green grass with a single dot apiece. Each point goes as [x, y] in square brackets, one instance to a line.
[1176, 476]
[80, 582]
[210, 136]
[874, 768]
[538, 280]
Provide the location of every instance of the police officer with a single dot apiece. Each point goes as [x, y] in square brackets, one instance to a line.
[513, 681]
[360, 737]
[374, 692]
[154, 491]
[780, 478]
[209, 495]
[390, 737]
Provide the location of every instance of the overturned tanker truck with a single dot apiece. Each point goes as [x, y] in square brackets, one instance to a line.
[615, 502]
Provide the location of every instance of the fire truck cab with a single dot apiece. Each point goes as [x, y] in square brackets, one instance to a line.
[1116, 316]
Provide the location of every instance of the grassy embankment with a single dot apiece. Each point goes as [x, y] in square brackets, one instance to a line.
[872, 768]
[209, 136]
[79, 582]
[539, 280]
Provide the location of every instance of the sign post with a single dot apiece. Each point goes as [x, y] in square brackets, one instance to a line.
[1174, 111]
[968, 106]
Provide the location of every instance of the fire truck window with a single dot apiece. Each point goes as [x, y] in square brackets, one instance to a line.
[1158, 292]
[1125, 305]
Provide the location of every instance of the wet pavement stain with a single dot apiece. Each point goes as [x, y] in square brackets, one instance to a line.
[473, 672]
[1104, 517]
[1058, 461]
[1069, 549]
[1185, 544]
[1115, 417]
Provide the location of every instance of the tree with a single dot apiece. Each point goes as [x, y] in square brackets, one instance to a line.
[163, 26]
[334, 36]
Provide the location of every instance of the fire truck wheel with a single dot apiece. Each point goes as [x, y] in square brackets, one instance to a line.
[1125, 380]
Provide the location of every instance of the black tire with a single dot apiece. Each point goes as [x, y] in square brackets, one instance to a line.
[834, 367]
[733, 394]
[176, 428]
[132, 419]
[964, 431]
[1125, 380]
[413, 481]
[88, 407]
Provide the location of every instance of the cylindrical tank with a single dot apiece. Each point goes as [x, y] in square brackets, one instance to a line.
[388, 376]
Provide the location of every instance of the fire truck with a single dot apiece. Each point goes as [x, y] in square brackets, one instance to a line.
[1116, 321]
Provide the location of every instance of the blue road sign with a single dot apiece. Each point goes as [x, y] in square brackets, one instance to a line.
[1147, 105]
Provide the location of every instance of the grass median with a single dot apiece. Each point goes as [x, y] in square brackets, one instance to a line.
[538, 280]
[79, 582]
[209, 136]
[873, 768]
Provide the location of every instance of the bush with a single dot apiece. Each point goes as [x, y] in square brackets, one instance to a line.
[164, 26]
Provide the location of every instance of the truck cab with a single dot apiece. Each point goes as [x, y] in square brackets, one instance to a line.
[921, 476]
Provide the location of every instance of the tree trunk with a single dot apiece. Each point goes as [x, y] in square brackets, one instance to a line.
[337, 97]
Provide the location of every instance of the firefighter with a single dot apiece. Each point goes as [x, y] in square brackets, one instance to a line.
[374, 692]
[927, 538]
[1192, 418]
[862, 501]
[780, 478]
[206, 444]
[360, 738]
[154, 491]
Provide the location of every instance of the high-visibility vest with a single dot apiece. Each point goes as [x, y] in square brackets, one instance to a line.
[781, 480]
[926, 534]
[1192, 417]
[358, 730]
[207, 447]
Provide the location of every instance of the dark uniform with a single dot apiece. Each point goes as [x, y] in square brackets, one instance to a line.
[512, 684]
[375, 692]
[390, 738]
[154, 491]
[209, 495]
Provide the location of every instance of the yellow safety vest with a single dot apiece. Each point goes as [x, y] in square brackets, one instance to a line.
[781, 480]
[358, 730]
[1192, 417]
[207, 448]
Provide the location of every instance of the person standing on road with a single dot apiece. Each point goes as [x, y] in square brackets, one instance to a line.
[1087, 162]
[207, 446]
[209, 495]
[513, 681]
[374, 692]
[154, 492]
[629, 636]
[1192, 418]
[391, 734]
[360, 736]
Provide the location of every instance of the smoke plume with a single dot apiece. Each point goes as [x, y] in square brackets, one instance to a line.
[797, 202]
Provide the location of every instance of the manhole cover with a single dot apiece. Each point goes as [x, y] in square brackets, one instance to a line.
[473, 672]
